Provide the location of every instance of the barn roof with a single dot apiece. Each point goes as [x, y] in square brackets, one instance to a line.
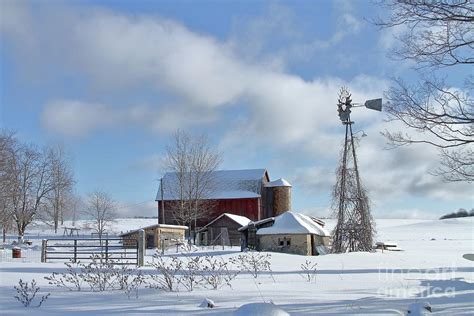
[226, 184]
[241, 220]
[293, 223]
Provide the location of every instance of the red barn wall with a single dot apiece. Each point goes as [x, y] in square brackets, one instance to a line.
[250, 208]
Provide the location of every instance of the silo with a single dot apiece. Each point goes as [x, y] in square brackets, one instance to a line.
[279, 194]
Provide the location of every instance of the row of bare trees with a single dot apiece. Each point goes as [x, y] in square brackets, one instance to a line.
[37, 184]
[34, 183]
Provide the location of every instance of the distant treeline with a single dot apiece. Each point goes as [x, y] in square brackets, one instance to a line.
[460, 213]
[145, 217]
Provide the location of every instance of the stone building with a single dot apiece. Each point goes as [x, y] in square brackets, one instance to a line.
[289, 232]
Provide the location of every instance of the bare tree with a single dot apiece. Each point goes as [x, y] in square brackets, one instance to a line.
[101, 208]
[191, 162]
[7, 149]
[62, 180]
[439, 37]
[32, 183]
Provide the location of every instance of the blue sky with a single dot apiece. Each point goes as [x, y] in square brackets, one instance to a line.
[112, 80]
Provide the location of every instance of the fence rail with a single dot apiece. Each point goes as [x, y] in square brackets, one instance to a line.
[84, 249]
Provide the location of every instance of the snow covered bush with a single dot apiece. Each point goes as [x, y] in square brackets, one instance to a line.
[253, 262]
[25, 293]
[216, 272]
[167, 278]
[192, 272]
[308, 271]
[72, 279]
[101, 274]
[128, 280]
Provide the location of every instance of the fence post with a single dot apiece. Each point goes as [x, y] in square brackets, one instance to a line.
[107, 250]
[75, 250]
[141, 248]
[44, 244]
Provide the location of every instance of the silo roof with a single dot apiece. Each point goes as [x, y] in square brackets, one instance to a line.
[278, 183]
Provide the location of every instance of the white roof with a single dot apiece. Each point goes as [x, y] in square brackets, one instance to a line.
[293, 223]
[227, 184]
[154, 226]
[278, 183]
[234, 194]
[241, 220]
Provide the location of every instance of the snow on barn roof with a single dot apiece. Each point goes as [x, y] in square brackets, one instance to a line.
[236, 194]
[278, 183]
[241, 220]
[226, 184]
[293, 223]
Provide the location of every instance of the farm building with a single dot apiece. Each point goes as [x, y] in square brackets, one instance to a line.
[156, 236]
[289, 232]
[247, 193]
[248, 233]
[223, 230]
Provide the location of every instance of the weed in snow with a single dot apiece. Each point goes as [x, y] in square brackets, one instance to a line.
[26, 294]
[308, 271]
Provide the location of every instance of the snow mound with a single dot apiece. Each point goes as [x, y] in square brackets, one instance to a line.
[207, 303]
[293, 223]
[261, 309]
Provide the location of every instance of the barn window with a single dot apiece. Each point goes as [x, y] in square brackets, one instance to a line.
[284, 242]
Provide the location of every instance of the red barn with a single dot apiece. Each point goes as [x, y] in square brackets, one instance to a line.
[239, 192]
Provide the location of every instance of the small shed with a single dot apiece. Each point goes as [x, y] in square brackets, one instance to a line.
[248, 233]
[295, 233]
[223, 230]
[156, 235]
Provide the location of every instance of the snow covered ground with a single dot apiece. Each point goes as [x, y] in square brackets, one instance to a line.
[430, 269]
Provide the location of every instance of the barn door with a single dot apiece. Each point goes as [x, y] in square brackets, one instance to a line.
[150, 241]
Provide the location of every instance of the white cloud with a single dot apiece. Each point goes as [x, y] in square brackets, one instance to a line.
[202, 76]
[76, 118]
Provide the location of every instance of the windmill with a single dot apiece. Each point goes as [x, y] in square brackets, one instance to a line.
[354, 229]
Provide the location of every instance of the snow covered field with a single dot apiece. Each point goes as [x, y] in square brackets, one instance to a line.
[430, 268]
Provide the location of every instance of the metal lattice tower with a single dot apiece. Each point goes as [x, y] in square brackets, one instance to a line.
[354, 229]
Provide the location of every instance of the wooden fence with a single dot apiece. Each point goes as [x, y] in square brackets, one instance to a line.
[84, 249]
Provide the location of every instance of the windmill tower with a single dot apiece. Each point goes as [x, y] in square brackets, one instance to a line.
[354, 229]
